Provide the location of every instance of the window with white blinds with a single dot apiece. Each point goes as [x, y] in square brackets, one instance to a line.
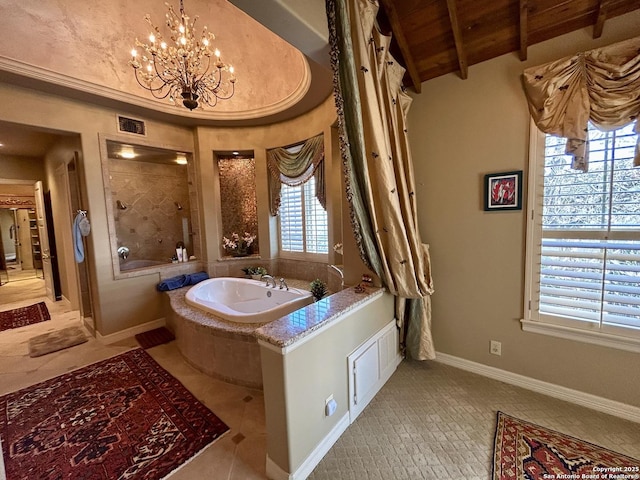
[303, 221]
[583, 245]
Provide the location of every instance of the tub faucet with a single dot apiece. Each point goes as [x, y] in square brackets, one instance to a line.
[266, 278]
[283, 284]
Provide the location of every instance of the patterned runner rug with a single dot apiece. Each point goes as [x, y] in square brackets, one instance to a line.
[124, 417]
[20, 317]
[525, 451]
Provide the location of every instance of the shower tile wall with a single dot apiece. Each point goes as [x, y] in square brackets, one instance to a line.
[238, 197]
[152, 224]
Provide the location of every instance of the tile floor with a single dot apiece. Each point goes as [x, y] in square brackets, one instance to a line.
[239, 455]
[430, 421]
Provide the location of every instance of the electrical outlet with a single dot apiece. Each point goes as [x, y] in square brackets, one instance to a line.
[330, 406]
[496, 348]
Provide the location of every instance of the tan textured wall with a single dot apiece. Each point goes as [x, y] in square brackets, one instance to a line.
[256, 140]
[459, 131]
[152, 224]
[21, 168]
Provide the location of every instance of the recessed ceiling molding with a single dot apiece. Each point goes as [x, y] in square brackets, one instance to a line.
[22, 69]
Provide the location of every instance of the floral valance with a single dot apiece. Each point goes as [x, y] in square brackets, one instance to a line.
[601, 86]
[294, 167]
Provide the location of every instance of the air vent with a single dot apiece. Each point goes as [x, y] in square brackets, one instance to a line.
[131, 125]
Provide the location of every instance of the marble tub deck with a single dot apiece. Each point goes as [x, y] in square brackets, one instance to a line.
[230, 351]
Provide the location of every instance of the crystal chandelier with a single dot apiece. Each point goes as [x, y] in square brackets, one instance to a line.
[185, 69]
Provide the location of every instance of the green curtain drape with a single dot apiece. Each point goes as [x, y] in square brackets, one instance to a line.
[601, 86]
[296, 168]
[372, 108]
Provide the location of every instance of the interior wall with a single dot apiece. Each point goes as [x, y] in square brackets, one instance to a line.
[257, 139]
[123, 303]
[300, 381]
[21, 168]
[55, 162]
[462, 130]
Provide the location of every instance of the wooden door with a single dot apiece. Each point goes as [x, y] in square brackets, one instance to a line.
[44, 242]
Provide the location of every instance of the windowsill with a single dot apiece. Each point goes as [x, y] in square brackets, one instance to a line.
[231, 258]
[304, 256]
[579, 335]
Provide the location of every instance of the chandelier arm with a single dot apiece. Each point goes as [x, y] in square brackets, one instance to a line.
[205, 71]
[154, 90]
[160, 76]
[233, 90]
[207, 100]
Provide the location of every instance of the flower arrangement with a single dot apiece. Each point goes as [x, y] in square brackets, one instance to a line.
[338, 248]
[238, 245]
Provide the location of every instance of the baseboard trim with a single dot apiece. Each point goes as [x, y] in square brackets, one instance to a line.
[604, 405]
[275, 472]
[130, 332]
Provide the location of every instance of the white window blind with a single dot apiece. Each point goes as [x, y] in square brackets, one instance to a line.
[585, 258]
[303, 221]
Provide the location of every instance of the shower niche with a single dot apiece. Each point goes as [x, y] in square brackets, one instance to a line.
[151, 206]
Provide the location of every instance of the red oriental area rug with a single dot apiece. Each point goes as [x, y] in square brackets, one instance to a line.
[124, 417]
[20, 317]
[525, 451]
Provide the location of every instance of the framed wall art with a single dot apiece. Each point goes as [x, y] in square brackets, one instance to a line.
[503, 191]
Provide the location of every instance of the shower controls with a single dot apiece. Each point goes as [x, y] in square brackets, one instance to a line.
[123, 252]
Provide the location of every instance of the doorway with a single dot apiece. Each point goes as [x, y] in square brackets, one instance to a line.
[52, 157]
[20, 244]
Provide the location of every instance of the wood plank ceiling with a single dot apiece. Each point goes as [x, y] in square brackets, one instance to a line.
[436, 37]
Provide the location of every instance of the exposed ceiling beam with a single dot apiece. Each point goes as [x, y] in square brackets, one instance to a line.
[401, 40]
[524, 16]
[457, 38]
[602, 16]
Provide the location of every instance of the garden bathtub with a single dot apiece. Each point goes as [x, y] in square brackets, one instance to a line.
[242, 300]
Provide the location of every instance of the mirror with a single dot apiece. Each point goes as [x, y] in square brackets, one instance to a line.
[148, 193]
